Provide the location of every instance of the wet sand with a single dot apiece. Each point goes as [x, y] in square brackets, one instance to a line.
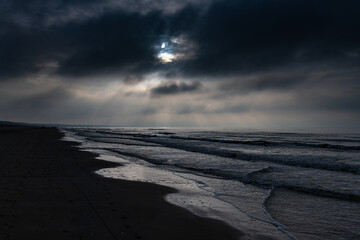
[48, 190]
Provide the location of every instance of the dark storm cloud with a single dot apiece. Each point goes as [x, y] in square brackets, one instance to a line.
[24, 51]
[117, 42]
[59, 11]
[248, 36]
[175, 88]
[229, 37]
[43, 12]
[113, 43]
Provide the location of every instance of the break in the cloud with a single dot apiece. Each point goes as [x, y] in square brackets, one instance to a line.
[290, 63]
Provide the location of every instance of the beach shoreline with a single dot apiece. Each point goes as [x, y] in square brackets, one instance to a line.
[49, 190]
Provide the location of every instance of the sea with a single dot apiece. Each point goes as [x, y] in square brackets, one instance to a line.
[267, 184]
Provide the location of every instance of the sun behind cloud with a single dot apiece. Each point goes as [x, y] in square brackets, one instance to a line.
[166, 57]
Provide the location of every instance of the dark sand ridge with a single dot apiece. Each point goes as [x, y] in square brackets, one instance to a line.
[48, 190]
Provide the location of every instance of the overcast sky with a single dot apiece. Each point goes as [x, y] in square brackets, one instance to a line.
[196, 63]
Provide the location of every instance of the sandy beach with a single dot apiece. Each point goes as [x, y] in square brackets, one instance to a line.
[48, 190]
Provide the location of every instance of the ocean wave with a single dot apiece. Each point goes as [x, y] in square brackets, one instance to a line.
[289, 161]
[267, 143]
[251, 178]
[278, 143]
[187, 145]
[260, 177]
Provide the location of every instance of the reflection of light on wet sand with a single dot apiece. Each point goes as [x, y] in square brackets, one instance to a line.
[189, 196]
[194, 194]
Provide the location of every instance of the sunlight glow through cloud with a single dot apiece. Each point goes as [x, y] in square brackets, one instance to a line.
[166, 57]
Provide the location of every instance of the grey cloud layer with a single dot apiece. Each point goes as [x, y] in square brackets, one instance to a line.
[307, 49]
